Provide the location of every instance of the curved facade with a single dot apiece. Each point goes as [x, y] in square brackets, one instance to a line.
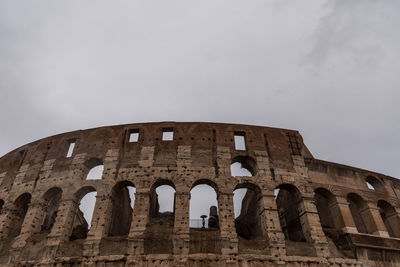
[297, 210]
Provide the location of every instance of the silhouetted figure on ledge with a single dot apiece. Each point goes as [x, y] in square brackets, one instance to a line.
[213, 221]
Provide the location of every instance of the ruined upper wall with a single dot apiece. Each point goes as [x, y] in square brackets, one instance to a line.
[200, 153]
[202, 137]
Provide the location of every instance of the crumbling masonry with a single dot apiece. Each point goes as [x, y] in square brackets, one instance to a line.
[297, 211]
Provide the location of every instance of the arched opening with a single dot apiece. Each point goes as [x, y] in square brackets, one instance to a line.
[287, 201]
[21, 206]
[95, 173]
[324, 200]
[84, 213]
[356, 205]
[204, 218]
[159, 230]
[374, 184]
[249, 218]
[248, 207]
[203, 205]
[390, 218]
[122, 208]
[52, 200]
[96, 169]
[243, 166]
[162, 200]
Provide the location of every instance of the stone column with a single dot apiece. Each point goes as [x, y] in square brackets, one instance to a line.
[6, 219]
[229, 240]
[62, 227]
[342, 217]
[373, 220]
[224, 161]
[272, 227]
[140, 219]
[98, 225]
[312, 227]
[181, 236]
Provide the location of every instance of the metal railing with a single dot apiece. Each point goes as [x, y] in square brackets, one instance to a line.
[211, 223]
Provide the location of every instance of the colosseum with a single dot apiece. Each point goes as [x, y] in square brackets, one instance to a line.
[296, 210]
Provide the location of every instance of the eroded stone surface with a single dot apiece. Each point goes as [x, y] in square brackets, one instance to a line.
[324, 214]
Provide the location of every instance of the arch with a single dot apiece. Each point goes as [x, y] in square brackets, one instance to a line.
[287, 201]
[51, 200]
[81, 223]
[243, 166]
[155, 205]
[205, 182]
[122, 208]
[324, 200]
[95, 173]
[84, 191]
[93, 162]
[390, 218]
[95, 168]
[21, 205]
[160, 227]
[249, 222]
[375, 184]
[357, 205]
[204, 202]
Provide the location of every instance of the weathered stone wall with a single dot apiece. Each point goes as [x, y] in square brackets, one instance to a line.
[324, 214]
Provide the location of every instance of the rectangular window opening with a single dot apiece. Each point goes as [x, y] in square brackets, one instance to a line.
[133, 136]
[240, 143]
[71, 147]
[168, 134]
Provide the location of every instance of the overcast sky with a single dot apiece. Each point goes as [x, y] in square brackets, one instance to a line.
[330, 69]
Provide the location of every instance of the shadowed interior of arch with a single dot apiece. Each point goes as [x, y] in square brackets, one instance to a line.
[356, 204]
[123, 199]
[83, 216]
[248, 210]
[243, 166]
[52, 200]
[21, 205]
[287, 202]
[389, 218]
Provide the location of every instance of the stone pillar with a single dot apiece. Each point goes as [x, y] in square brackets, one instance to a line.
[32, 222]
[224, 161]
[98, 228]
[62, 227]
[140, 219]
[181, 236]
[312, 227]
[6, 220]
[342, 217]
[272, 228]
[373, 220]
[229, 240]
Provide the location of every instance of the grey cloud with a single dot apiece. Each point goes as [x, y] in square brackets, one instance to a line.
[327, 68]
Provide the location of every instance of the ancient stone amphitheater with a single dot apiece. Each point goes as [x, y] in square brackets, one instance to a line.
[297, 210]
